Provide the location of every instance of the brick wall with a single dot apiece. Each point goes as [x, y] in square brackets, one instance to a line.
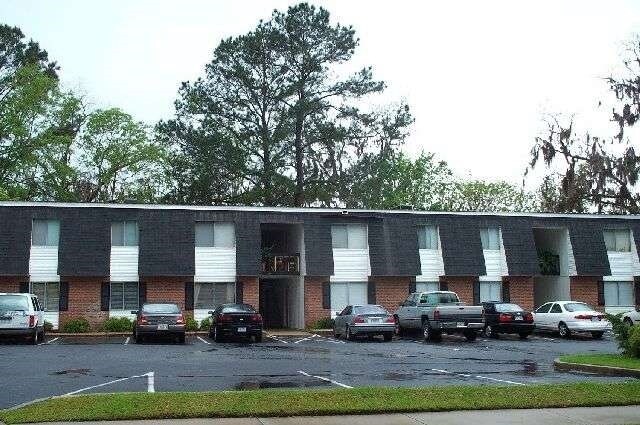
[461, 285]
[84, 301]
[250, 290]
[585, 289]
[313, 310]
[11, 283]
[391, 291]
[521, 291]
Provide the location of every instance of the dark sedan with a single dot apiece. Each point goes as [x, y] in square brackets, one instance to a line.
[506, 318]
[159, 319]
[235, 320]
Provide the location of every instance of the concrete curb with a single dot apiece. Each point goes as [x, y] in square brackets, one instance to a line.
[108, 334]
[602, 370]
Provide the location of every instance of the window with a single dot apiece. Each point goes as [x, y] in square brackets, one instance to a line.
[490, 238]
[439, 298]
[124, 296]
[210, 295]
[544, 308]
[555, 309]
[427, 286]
[344, 294]
[351, 236]
[370, 309]
[45, 233]
[124, 233]
[618, 294]
[161, 309]
[617, 240]
[346, 311]
[215, 234]
[490, 291]
[507, 308]
[428, 237]
[48, 294]
[577, 307]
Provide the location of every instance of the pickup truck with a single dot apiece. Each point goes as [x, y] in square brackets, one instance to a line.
[439, 312]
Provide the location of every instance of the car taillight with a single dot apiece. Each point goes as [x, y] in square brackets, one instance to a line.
[584, 316]
[358, 319]
[180, 320]
[143, 320]
[528, 317]
[256, 318]
[32, 321]
[391, 319]
[505, 318]
[436, 315]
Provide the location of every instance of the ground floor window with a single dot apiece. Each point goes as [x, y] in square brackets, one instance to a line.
[48, 294]
[427, 286]
[490, 291]
[209, 295]
[618, 294]
[347, 293]
[124, 296]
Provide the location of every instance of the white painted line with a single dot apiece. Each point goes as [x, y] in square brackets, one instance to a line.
[111, 382]
[322, 378]
[277, 339]
[50, 341]
[126, 341]
[204, 340]
[332, 340]
[464, 375]
[499, 380]
[304, 339]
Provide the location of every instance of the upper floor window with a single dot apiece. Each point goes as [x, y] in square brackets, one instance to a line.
[490, 238]
[124, 233]
[215, 234]
[45, 233]
[351, 236]
[617, 240]
[427, 237]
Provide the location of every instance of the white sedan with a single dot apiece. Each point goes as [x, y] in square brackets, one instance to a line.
[632, 317]
[571, 316]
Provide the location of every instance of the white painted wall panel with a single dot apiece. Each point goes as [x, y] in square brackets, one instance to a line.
[200, 314]
[622, 265]
[43, 264]
[52, 317]
[494, 263]
[634, 256]
[350, 265]
[124, 264]
[572, 261]
[215, 264]
[431, 265]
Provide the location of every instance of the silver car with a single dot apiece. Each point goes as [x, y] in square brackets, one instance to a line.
[21, 316]
[369, 320]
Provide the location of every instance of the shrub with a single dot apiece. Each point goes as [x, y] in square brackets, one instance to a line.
[324, 323]
[48, 326]
[633, 343]
[628, 337]
[77, 325]
[117, 324]
[191, 324]
[205, 324]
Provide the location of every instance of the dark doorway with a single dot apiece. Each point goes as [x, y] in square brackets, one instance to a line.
[273, 303]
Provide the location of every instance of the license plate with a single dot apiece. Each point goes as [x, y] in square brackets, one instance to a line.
[461, 324]
[163, 327]
[242, 329]
[375, 320]
[518, 318]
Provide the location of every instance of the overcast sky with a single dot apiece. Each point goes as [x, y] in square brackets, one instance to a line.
[478, 75]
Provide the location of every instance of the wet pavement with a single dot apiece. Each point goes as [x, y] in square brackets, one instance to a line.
[70, 364]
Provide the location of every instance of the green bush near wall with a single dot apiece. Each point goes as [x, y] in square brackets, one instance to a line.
[191, 324]
[205, 324]
[324, 323]
[77, 325]
[48, 326]
[117, 324]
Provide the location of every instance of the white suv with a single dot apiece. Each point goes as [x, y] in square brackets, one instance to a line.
[22, 316]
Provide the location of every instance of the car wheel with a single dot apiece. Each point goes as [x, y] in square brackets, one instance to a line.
[471, 335]
[35, 339]
[489, 332]
[597, 334]
[628, 321]
[347, 334]
[524, 335]
[429, 334]
[216, 335]
[388, 336]
[563, 330]
[42, 335]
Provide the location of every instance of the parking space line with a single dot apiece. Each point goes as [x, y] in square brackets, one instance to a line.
[322, 378]
[464, 375]
[126, 341]
[203, 340]
[148, 375]
[305, 339]
[331, 340]
[277, 339]
[50, 341]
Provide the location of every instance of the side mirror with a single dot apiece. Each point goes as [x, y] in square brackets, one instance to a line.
[134, 312]
[210, 312]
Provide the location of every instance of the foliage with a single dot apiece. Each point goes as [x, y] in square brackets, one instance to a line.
[621, 331]
[323, 323]
[595, 172]
[477, 195]
[117, 324]
[633, 343]
[77, 325]
[205, 324]
[548, 262]
[614, 360]
[48, 326]
[191, 324]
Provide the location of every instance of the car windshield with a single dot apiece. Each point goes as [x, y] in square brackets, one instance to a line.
[508, 308]
[161, 308]
[238, 308]
[369, 309]
[13, 303]
[575, 307]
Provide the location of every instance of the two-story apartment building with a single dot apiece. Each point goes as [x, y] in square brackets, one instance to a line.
[298, 265]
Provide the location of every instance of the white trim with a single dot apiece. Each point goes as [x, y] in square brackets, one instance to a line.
[305, 210]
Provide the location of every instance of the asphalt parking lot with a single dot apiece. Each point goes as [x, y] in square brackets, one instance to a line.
[64, 365]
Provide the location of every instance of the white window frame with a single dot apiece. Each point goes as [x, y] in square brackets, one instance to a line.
[436, 236]
[486, 289]
[615, 233]
[123, 307]
[427, 286]
[610, 284]
[215, 303]
[486, 231]
[48, 223]
[215, 230]
[44, 301]
[349, 301]
[348, 228]
[124, 224]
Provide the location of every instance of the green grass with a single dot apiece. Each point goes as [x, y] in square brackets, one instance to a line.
[616, 360]
[321, 402]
